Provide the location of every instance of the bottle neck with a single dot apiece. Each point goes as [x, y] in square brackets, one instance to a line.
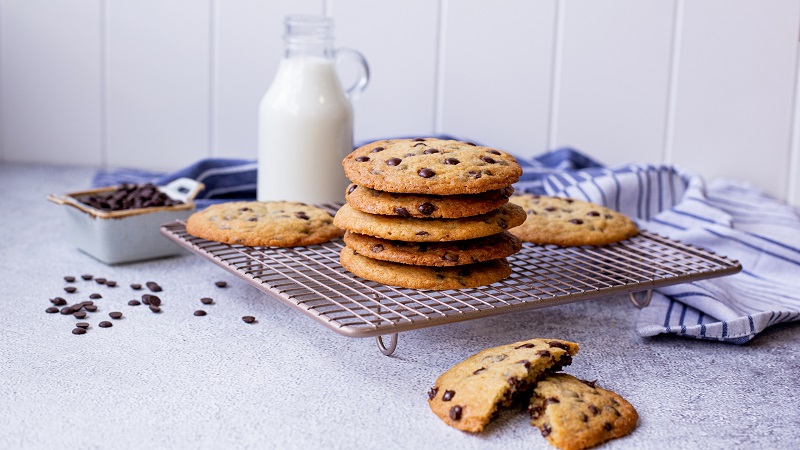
[305, 49]
[308, 36]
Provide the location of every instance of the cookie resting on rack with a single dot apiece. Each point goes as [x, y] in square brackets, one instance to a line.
[467, 395]
[574, 414]
[568, 222]
[275, 224]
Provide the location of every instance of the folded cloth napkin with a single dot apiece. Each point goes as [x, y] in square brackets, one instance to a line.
[727, 217]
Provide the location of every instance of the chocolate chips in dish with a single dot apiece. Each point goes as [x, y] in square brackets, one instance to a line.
[130, 196]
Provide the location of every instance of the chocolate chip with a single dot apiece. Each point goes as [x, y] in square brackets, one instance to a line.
[100, 280]
[376, 150]
[525, 363]
[432, 393]
[591, 384]
[58, 301]
[134, 303]
[95, 296]
[155, 309]
[471, 143]
[51, 310]
[593, 214]
[418, 140]
[248, 319]
[362, 159]
[594, 410]
[393, 161]
[153, 286]
[474, 174]
[82, 325]
[67, 310]
[464, 273]
[576, 221]
[607, 426]
[535, 412]
[482, 369]
[543, 353]
[450, 257]
[550, 208]
[302, 215]
[146, 299]
[91, 308]
[549, 400]
[70, 289]
[426, 173]
[455, 412]
[111, 283]
[448, 395]
[105, 324]
[351, 189]
[546, 430]
[426, 208]
[569, 200]
[69, 279]
[451, 161]
[78, 331]
[558, 345]
[136, 286]
[199, 312]
[87, 277]
[402, 212]
[512, 381]
[79, 314]
[430, 151]
[487, 159]
[377, 248]
[422, 233]
[206, 300]
[494, 152]
[154, 300]
[115, 315]
[528, 345]
[220, 284]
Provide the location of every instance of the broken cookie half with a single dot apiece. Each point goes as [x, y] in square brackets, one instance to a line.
[468, 394]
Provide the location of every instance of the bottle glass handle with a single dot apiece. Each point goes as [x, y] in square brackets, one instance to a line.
[362, 68]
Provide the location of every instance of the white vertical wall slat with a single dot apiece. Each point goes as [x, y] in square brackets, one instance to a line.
[734, 97]
[158, 88]
[399, 40]
[248, 48]
[793, 188]
[498, 73]
[51, 91]
[614, 79]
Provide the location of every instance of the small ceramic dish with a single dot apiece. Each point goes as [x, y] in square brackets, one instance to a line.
[115, 237]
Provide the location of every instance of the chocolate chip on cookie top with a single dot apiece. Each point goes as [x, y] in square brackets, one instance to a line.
[431, 166]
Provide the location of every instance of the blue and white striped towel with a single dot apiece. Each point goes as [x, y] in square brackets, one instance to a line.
[729, 218]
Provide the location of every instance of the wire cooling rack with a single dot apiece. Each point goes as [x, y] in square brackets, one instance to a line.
[311, 280]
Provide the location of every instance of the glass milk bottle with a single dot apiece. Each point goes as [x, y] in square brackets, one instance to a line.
[305, 117]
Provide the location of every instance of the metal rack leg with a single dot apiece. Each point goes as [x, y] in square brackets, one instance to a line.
[641, 304]
[392, 344]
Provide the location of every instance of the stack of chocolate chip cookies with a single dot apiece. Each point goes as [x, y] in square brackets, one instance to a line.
[429, 213]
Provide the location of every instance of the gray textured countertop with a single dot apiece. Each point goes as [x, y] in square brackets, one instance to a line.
[175, 380]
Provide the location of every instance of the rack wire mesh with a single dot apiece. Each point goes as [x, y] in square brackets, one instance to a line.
[311, 280]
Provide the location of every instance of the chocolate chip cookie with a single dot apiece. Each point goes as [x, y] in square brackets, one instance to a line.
[371, 201]
[569, 222]
[411, 229]
[277, 224]
[468, 394]
[440, 254]
[574, 414]
[421, 277]
[431, 166]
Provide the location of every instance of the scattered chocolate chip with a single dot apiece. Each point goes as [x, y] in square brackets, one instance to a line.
[90, 308]
[302, 215]
[115, 315]
[77, 307]
[451, 161]
[111, 283]
[418, 140]
[422, 233]
[393, 161]
[206, 300]
[248, 319]
[105, 324]
[525, 363]
[153, 286]
[402, 212]
[594, 410]
[377, 248]
[351, 188]
[78, 331]
[146, 299]
[593, 214]
[51, 310]
[474, 174]
[482, 369]
[80, 314]
[494, 152]
[220, 284]
[487, 159]
[544, 353]
[199, 312]
[136, 286]
[550, 208]
[558, 345]
[376, 150]
[87, 277]
[155, 309]
[432, 393]
[100, 280]
[69, 279]
[95, 296]
[546, 430]
[362, 159]
[569, 200]
[455, 412]
[607, 426]
[154, 300]
[426, 209]
[528, 345]
[471, 143]
[82, 324]
[67, 310]
[576, 221]
[448, 395]
[58, 301]
[426, 173]
[430, 151]
[134, 303]
[70, 289]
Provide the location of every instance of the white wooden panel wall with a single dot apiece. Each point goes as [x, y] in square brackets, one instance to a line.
[710, 85]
